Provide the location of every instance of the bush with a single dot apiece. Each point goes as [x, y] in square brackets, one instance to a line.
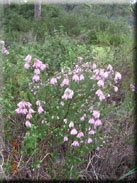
[63, 101]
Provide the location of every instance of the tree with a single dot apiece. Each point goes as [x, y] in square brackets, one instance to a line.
[6, 3]
[37, 9]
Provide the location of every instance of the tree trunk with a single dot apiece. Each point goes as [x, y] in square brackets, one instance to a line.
[6, 3]
[37, 9]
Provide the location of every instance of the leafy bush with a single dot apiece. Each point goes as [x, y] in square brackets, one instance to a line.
[95, 26]
[25, 10]
[62, 101]
[16, 22]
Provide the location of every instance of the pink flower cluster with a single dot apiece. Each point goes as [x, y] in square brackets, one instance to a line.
[117, 76]
[75, 78]
[71, 125]
[96, 115]
[100, 94]
[53, 81]
[99, 75]
[83, 117]
[79, 59]
[75, 143]
[81, 134]
[4, 50]
[40, 108]
[68, 94]
[65, 82]
[132, 87]
[77, 73]
[25, 108]
[38, 65]
[28, 60]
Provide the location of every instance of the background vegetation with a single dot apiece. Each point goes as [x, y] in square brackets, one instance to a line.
[101, 33]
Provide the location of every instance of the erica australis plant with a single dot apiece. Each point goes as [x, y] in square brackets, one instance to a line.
[66, 107]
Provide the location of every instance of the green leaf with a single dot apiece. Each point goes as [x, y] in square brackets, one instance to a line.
[127, 174]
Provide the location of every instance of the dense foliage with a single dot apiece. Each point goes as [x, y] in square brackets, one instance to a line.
[65, 76]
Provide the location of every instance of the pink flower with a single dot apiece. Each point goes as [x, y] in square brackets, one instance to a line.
[39, 64]
[75, 143]
[24, 111]
[108, 95]
[91, 121]
[100, 83]
[79, 59]
[28, 58]
[115, 89]
[31, 111]
[118, 76]
[2, 42]
[3, 48]
[65, 82]
[65, 121]
[65, 138]
[94, 66]
[97, 78]
[36, 63]
[98, 122]
[89, 140]
[27, 133]
[26, 66]
[70, 72]
[75, 77]
[115, 81]
[38, 103]
[84, 115]
[62, 103]
[71, 125]
[21, 104]
[81, 134]
[40, 110]
[73, 131]
[91, 108]
[100, 94]
[43, 67]
[96, 114]
[98, 148]
[6, 52]
[82, 118]
[53, 81]
[132, 87]
[29, 116]
[28, 104]
[101, 72]
[28, 124]
[37, 71]
[101, 97]
[92, 132]
[81, 77]
[36, 78]
[106, 74]
[110, 68]
[18, 110]
[68, 94]
[96, 71]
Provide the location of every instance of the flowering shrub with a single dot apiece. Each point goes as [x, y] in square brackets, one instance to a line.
[66, 108]
[4, 50]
